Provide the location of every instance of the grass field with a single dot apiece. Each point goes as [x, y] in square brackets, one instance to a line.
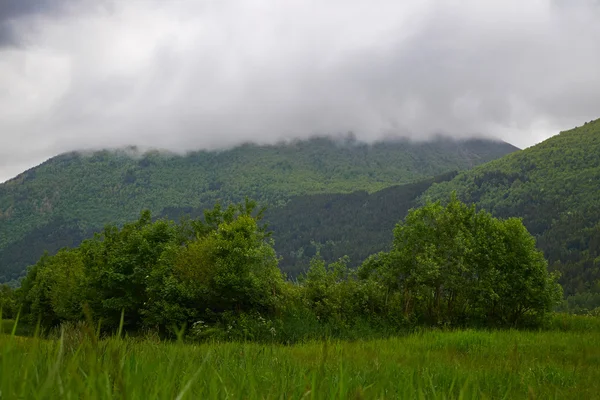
[563, 363]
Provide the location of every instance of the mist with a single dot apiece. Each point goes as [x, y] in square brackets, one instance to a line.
[186, 75]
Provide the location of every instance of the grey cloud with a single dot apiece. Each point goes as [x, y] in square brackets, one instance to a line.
[11, 11]
[7, 36]
[189, 74]
[16, 16]
[18, 8]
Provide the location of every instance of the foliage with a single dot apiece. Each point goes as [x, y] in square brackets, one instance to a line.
[219, 278]
[8, 302]
[431, 364]
[355, 225]
[453, 265]
[53, 288]
[232, 268]
[573, 323]
[62, 201]
[118, 263]
[581, 303]
[159, 274]
[553, 187]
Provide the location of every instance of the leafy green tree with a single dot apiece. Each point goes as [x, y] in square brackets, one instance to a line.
[452, 264]
[34, 293]
[53, 289]
[230, 266]
[325, 288]
[8, 302]
[118, 263]
[334, 293]
[159, 273]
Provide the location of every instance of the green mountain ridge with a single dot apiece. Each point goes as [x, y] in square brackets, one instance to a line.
[72, 195]
[555, 188]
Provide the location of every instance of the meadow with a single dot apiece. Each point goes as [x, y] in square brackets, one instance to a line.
[561, 361]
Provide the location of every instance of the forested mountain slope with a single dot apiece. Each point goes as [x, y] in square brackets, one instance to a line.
[72, 195]
[355, 224]
[555, 187]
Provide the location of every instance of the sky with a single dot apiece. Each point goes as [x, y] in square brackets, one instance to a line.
[184, 75]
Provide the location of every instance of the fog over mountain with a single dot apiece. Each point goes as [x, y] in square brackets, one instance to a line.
[190, 74]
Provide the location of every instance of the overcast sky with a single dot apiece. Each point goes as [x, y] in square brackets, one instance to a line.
[190, 74]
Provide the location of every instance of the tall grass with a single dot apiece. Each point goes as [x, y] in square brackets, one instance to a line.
[559, 363]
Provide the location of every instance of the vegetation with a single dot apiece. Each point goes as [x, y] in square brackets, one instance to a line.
[355, 224]
[456, 266]
[8, 302]
[106, 310]
[201, 309]
[69, 197]
[562, 363]
[218, 276]
[158, 273]
[553, 187]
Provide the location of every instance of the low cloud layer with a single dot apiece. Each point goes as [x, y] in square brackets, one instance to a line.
[190, 74]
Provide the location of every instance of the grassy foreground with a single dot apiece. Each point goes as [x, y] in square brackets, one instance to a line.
[561, 363]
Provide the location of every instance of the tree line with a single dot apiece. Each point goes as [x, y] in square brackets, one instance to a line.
[218, 277]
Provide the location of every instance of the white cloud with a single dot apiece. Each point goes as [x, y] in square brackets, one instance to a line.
[191, 74]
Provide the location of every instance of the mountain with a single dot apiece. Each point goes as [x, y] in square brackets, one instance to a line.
[555, 187]
[72, 195]
[355, 224]
[342, 197]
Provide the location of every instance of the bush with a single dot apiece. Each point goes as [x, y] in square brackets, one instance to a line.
[454, 266]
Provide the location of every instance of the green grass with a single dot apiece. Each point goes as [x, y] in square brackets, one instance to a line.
[7, 326]
[561, 363]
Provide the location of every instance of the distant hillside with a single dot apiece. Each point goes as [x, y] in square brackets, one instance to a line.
[555, 187]
[354, 224]
[72, 195]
